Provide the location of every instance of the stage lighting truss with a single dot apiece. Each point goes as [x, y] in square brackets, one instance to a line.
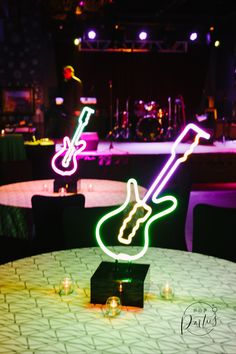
[134, 46]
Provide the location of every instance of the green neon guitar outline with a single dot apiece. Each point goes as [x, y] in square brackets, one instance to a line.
[155, 189]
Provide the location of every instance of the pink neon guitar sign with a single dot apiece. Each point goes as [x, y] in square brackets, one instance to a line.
[64, 162]
[133, 221]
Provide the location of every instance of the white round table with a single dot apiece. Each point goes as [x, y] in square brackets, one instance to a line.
[98, 192]
[36, 319]
[15, 201]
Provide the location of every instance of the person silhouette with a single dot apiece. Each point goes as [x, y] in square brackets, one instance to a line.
[68, 101]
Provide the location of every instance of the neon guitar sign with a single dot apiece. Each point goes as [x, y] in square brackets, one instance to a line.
[132, 222]
[64, 162]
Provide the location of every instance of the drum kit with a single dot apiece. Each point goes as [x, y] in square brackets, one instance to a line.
[150, 121]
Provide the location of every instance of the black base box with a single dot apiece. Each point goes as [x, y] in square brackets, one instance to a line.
[68, 182]
[128, 281]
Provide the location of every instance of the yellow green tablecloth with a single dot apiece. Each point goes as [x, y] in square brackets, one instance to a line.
[36, 319]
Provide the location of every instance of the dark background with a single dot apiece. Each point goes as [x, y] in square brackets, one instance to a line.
[36, 40]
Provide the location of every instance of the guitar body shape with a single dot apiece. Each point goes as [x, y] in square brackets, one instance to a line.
[141, 212]
[138, 215]
[67, 167]
[64, 162]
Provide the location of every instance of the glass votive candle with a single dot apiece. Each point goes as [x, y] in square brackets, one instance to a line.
[90, 187]
[113, 306]
[167, 292]
[2, 132]
[66, 286]
[59, 101]
[62, 191]
[45, 187]
[79, 185]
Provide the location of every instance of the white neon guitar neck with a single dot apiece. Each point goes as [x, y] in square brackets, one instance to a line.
[82, 122]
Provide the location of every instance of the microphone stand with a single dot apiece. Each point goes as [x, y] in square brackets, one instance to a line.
[169, 134]
[111, 115]
[110, 134]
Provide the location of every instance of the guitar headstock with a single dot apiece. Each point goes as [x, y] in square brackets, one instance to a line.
[190, 128]
[85, 115]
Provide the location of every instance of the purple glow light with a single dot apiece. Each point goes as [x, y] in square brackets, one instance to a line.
[208, 38]
[92, 34]
[193, 36]
[143, 36]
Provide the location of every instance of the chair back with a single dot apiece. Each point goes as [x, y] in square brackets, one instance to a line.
[47, 219]
[214, 231]
[80, 231]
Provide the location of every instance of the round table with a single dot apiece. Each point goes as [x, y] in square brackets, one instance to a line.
[98, 192]
[15, 201]
[199, 319]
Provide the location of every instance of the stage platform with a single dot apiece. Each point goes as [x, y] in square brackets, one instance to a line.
[157, 148]
[215, 162]
[118, 160]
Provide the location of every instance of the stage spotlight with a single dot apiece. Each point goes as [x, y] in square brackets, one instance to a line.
[193, 36]
[142, 35]
[92, 34]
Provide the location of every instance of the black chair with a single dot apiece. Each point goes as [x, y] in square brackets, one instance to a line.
[79, 226]
[12, 249]
[47, 219]
[214, 230]
[15, 233]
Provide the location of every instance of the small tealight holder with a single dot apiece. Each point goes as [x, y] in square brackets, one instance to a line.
[90, 187]
[167, 291]
[45, 187]
[59, 101]
[66, 286]
[113, 306]
[62, 191]
[2, 132]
